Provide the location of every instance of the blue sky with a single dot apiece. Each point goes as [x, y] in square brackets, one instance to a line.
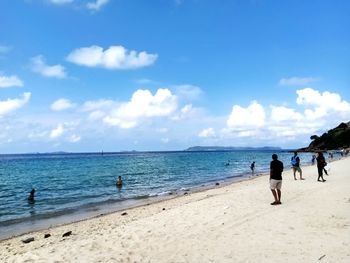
[112, 75]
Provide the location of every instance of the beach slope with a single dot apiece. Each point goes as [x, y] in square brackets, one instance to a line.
[234, 223]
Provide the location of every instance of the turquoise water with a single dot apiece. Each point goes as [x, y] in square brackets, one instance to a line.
[67, 184]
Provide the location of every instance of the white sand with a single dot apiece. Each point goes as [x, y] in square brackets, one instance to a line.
[235, 223]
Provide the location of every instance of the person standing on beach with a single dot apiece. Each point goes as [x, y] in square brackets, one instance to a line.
[321, 163]
[276, 169]
[296, 166]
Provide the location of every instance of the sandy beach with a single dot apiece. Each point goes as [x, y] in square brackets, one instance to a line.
[233, 223]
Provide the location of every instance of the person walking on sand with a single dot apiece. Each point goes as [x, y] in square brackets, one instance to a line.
[276, 169]
[321, 163]
[295, 161]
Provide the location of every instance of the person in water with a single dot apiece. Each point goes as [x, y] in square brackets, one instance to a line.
[252, 167]
[276, 169]
[119, 182]
[31, 195]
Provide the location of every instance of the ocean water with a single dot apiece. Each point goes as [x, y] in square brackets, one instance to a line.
[73, 186]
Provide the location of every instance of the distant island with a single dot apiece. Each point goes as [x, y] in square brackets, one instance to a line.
[335, 139]
[230, 148]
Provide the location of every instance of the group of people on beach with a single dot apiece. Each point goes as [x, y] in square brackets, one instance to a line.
[276, 169]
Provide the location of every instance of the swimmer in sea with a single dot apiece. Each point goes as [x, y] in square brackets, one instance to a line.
[119, 182]
[31, 195]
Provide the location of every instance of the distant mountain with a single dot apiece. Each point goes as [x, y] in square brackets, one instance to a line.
[334, 139]
[229, 148]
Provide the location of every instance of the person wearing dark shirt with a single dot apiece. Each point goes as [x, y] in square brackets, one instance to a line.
[31, 195]
[276, 169]
[321, 163]
[252, 167]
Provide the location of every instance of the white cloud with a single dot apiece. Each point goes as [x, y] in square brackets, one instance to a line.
[288, 124]
[142, 105]
[9, 105]
[39, 66]
[250, 117]
[207, 133]
[96, 5]
[115, 57]
[61, 2]
[62, 104]
[297, 81]
[281, 113]
[57, 132]
[324, 104]
[10, 81]
[74, 138]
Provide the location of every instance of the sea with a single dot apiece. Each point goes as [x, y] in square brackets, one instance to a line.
[74, 186]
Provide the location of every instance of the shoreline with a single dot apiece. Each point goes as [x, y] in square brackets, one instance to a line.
[83, 214]
[93, 211]
[222, 224]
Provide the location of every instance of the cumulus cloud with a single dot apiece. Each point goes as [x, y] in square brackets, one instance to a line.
[323, 103]
[10, 81]
[250, 117]
[57, 132]
[10, 105]
[281, 113]
[62, 104]
[207, 133]
[311, 97]
[313, 112]
[96, 5]
[61, 2]
[297, 81]
[142, 105]
[115, 57]
[55, 71]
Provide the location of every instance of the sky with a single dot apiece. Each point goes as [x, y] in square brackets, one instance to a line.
[121, 75]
